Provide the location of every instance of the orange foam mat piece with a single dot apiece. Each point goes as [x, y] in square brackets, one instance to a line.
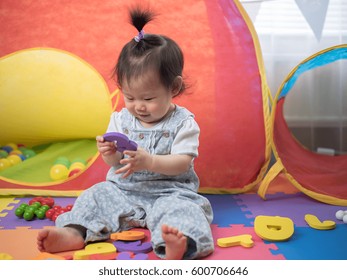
[20, 243]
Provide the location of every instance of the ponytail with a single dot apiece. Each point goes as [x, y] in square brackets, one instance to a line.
[139, 17]
[148, 51]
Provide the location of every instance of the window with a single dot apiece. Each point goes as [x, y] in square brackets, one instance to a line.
[316, 107]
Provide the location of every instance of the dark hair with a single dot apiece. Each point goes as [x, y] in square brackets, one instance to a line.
[153, 51]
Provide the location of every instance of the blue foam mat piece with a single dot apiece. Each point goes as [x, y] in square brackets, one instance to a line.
[227, 211]
[312, 244]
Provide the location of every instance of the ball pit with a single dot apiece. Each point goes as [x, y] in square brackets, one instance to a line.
[12, 154]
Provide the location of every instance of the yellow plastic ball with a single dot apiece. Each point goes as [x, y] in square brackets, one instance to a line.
[14, 159]
[77, 165]
[13, 146]
[4, 163]
[16, 152]
[59, 172]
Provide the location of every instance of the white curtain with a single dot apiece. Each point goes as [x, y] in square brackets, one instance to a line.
[290, 31]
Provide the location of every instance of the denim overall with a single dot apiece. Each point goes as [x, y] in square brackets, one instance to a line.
[146, 199]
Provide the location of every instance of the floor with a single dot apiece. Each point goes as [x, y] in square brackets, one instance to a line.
[234, 215]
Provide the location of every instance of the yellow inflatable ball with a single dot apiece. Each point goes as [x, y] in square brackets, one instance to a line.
[59, 172]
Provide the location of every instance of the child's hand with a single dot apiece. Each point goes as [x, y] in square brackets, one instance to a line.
[105, 148]
[137, 160]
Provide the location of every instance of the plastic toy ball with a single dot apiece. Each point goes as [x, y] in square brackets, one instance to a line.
[77, 165]
[7, 148]
[40, 213]
[3, 154]
[22, 157]
[50, 213]
[48, 201]
[16, 152]
[28, 215]
[28, 153]
[63, 160]
[74, 172]
[23, 206]
[13, 146]
[44, 201]
[340, 214]
[81, 160]
[14, 159]
[59, 172]
[22, 148]
[4, 163]
[19, 212]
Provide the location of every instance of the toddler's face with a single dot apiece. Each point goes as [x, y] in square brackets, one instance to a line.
[147, 99]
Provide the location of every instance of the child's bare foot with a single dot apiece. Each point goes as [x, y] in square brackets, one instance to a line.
[175, 242]
[53, 240]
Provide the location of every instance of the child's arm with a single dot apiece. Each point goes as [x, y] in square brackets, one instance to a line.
[108, 151]
[163, 164]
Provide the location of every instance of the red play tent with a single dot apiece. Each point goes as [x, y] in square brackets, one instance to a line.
[322, 177]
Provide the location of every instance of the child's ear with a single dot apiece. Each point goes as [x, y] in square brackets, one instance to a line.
[177, 86]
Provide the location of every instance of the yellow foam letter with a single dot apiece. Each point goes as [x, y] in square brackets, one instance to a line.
[245, 240]
[314, 222]
[102, 248]
[273, 228]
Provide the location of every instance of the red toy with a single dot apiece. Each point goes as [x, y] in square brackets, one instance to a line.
[43, 200]
[54, 212]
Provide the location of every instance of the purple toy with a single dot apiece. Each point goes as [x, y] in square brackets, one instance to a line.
[123, 142]
[134, 246]
[127, 256]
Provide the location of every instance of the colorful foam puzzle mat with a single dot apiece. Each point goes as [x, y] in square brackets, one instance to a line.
[234, 215]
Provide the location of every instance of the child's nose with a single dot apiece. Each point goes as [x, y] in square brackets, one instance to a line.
[140, 106]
